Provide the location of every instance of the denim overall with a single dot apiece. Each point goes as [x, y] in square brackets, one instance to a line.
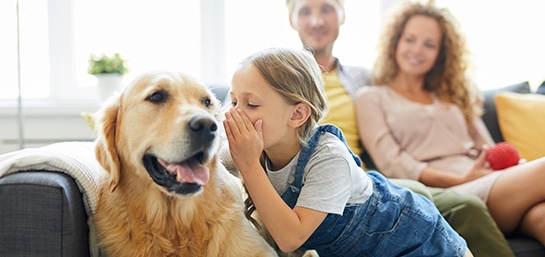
[392, 222]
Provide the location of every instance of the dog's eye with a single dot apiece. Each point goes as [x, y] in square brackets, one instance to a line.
[157, 97]
[207, 102]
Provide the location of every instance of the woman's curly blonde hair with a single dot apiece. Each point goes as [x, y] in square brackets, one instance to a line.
[447, 79]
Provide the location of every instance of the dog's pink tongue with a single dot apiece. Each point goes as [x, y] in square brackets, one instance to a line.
[190, 171]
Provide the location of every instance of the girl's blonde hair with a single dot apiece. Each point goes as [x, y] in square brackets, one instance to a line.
[447, 79]
[297, 77]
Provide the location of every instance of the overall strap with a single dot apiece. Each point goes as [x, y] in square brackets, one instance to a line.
[291, 193]
[338, 132]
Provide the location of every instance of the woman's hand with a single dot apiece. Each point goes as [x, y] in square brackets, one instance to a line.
[440, 178]
[480, 168]
[245, 140]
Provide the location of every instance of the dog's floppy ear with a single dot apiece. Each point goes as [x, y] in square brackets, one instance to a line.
[105, 149]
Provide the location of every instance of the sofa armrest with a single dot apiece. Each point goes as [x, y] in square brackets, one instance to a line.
[42, 214]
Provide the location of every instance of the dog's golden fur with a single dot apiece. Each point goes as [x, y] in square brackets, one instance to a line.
[200, 214]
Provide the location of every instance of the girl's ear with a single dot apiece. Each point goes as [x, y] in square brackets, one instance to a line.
[300, 115]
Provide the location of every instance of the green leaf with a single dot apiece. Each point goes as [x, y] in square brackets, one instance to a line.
[105, 64]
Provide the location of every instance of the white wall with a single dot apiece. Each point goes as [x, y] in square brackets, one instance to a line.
[56, 123]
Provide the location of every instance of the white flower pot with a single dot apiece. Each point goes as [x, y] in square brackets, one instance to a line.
[108, 84]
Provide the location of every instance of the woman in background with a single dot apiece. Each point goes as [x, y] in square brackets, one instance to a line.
[426, 121]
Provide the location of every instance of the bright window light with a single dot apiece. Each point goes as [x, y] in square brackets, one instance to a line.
[57, 38]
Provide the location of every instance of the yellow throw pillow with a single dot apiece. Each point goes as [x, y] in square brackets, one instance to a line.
[521, 118]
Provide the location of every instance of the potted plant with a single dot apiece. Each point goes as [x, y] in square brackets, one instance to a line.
[109, 71]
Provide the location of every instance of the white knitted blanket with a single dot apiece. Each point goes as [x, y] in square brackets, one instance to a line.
[76, 159]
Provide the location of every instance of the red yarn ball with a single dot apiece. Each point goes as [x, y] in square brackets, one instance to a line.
[502, 155]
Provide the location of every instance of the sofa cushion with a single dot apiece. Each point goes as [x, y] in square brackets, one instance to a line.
[541, 88]
[526, 247]
[490, 117]
[520, 117]
[221, 92]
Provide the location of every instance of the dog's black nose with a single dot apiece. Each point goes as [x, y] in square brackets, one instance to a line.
[204, 127]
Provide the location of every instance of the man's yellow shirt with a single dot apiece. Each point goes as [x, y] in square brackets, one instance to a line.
[342, 112]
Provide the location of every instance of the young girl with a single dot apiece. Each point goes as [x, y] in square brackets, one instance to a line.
[307, 186]
[427, 125]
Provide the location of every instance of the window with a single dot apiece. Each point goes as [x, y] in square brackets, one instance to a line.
[207, 38]
[161, 34]
[506, 40]
[33, 29]
[8, 48]
[268, 25]
[57, 38]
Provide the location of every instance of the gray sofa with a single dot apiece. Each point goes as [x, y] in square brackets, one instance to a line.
[42, 212]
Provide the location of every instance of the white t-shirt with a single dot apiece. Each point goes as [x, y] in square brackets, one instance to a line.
[331, 178]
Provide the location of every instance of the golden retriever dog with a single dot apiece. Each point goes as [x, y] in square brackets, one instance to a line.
[168, 193]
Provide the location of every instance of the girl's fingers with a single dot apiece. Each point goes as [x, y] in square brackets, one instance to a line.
[239, 125]
[227, 128]
[246, 121]
[241, 121]
[258, 126]
[232, 123]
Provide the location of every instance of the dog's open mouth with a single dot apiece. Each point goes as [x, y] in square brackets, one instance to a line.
[190, 171]
[185, 177]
